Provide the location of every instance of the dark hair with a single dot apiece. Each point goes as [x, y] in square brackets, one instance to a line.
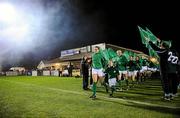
[97, 47]
[165, 44]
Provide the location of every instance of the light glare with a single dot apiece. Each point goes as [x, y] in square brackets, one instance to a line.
[7, 13]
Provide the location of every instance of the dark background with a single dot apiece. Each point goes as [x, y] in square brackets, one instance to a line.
[118, 22]
[122, 18]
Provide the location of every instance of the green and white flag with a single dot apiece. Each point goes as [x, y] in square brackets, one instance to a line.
[144, 36]
[152, 37]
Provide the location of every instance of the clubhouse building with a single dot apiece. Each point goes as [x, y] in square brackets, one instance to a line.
[74, 56]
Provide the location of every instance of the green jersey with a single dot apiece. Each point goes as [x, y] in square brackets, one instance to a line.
[122, 62]
[97, 60]
[138, 65]
[132, 65]
[112, 72]
[145, 62]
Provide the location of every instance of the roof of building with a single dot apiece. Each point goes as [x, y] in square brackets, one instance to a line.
[75, 56]
[66, 58]
[56, 60]
[119, 47]
[79, 56]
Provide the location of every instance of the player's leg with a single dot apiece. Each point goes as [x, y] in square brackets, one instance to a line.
[174, 85]
[138, 76]
[125, 80]
[129, 79]
[101, 77]
[170, 82]
[112, 83]
[106, 82]
[119, 81]
[134, 74]
[94, 77]
[165, 84]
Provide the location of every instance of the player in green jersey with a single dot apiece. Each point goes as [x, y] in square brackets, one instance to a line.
[97, 69]
[112, 73]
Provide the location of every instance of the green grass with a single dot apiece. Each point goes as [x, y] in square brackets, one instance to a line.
[47, 97]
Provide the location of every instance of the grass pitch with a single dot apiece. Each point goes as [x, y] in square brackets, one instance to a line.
[63, 97]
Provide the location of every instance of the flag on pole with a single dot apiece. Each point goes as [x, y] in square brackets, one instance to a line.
[152, 37]
[144, 36]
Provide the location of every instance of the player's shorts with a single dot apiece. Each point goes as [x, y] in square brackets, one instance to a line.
[135, 72]
[152, 69]
[123, 72]
[99, 72]
[132, 73]
[144, 68]
[112, 82]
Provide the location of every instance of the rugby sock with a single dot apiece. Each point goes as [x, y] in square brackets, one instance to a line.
[113, 89]
[94, 88]
[119, 81]
[127, 82]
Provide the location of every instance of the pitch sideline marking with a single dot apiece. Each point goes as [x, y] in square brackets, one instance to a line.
[99, 96]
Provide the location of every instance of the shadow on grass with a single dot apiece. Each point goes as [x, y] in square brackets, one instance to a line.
[174, 111]
[163, 109]
[144, 93]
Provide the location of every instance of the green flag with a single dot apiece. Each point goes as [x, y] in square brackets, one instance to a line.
[112, 53]
[152, 37]
[147, 36]
[126, 54]
[105, 54]
[144, 36]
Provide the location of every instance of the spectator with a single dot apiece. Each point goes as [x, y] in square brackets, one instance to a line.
[85, 71]
[70, 68]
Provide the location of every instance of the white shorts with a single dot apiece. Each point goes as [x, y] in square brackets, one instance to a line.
[144, 68]
[132, 73]
[135, 72]
[112, 82]
[123, 72]
[99, 72]
[152, 69]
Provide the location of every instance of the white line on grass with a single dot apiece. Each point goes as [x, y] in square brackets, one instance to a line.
[45, 87]
[99, 96]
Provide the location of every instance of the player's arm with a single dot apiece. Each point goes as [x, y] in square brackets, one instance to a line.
[157, 49]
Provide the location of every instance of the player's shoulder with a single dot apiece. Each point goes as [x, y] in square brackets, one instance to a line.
[173, 50]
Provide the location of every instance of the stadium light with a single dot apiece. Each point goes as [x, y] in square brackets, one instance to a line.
[14, 26]
[7, 13]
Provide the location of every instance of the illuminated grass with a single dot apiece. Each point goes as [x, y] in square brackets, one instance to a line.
[41, 97]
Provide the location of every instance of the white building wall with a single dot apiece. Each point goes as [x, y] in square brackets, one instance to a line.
[34, 73]
[46, 73]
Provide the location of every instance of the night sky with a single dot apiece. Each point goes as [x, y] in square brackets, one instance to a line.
[87, 22]
[121, 21]
[118, 22]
